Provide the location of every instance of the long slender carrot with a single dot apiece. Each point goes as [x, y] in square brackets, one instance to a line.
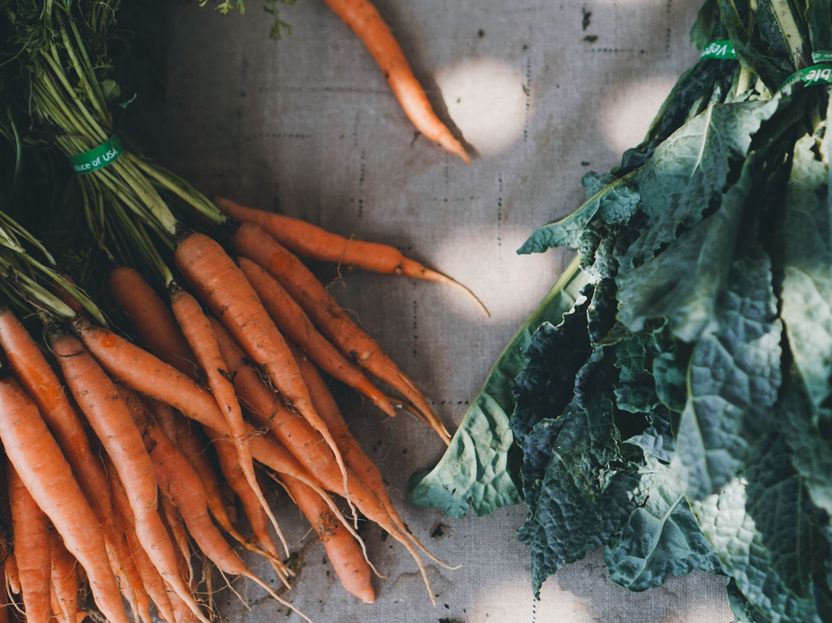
[223, 286]
[197, 330]
[142, 305]
[36, 375]
[253, 242]
[366, 22]
[308, 240]
[139, 599]
[152, 582]
[64, 579]
[341, 548]
[30, 528]
[98, 398]
[253, 509]
[366, 470]
[290, 318]
[35, 455]
[5, 598]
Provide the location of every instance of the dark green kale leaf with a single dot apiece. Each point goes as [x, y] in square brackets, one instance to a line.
[733, 379]
[661, 538]
[576, 484]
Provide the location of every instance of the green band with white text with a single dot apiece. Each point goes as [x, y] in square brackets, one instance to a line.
[719, 50]
[98, 157]
[822, 56]
[811, 76]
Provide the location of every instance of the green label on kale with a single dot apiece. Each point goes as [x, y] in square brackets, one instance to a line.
[822, 56]
[811, 76]
[98, 157]
[721, 50]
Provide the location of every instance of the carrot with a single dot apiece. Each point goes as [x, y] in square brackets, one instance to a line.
[340, 546]
[254, 511]
[110, 419]
[5, 598]
[139, 599]
[252, 242]
[151, 581]
[365, 21]
[366, 470]
[197, 330]
[64, 579]
[11, 575]
[47, 476]
[290, 318]
[308, 240]
[36, 375]
[229, 294]
[194, 447]
[182, 484]
[304, 443]
[142, 305]
[30, 528]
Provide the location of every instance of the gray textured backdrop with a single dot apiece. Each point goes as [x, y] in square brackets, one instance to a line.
[545, 90]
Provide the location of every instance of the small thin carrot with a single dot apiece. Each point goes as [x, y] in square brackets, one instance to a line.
[253, 509]
[152, 582]
[30, 528]
[316, 243]
[197, 330]
[98, 398]
[341, 548]
[253, 242]
[64, 579]
[366, 22]
[290, 318]
[143, 305]
[225, 289]
[364, 467]
[47, 476]
[11, 575]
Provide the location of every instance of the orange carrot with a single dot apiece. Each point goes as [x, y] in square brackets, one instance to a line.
[308, 240]
[254, 243]
[365, 21]
[142, 305]
[64, 579]
[194, 447]
[47, 476]
[36, 375]
[254, 511]
[30, 528]
[341, 548]
[290, 318]
[110, 419]
[228, 293]
[152, 582]
[366, 470]
[197, 330]
[12, 578]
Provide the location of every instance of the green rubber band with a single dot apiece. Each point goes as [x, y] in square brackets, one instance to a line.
[98, 157]
[719, 50]
[822, 56]
[811, 76]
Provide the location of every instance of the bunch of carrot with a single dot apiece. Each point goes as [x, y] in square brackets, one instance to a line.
[127, 455]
